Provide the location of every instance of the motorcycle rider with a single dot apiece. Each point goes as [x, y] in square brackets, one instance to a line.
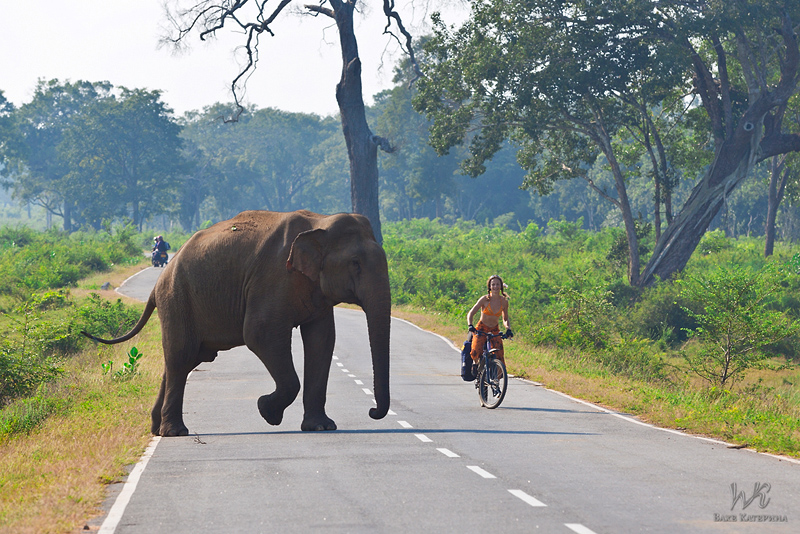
[160, 246]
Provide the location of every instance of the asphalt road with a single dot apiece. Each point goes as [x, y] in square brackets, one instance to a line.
[542, 462]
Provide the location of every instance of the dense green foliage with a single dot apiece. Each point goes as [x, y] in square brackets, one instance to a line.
[566, 292]
[734, 320]
[580, 82]
[87, 152]
[41, 322]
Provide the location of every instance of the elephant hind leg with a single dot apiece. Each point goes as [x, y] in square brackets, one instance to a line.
[155, 413]
[167, 414]
[174, 386]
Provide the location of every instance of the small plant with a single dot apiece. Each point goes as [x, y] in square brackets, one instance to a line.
[733, 321]
[129, 368]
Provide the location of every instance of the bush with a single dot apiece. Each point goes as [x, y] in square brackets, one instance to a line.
[734, 323]
[101, 317]
[22, 372]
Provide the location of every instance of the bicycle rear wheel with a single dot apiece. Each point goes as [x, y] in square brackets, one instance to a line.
[492, 383]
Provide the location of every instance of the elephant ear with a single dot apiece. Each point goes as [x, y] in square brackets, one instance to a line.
[306, 254]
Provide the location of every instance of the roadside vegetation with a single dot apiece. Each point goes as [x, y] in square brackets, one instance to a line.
[712, 351]
[69, 420]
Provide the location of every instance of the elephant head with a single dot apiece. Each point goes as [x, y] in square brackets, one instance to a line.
[350, 266]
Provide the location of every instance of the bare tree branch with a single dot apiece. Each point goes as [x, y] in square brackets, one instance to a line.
[391, 14]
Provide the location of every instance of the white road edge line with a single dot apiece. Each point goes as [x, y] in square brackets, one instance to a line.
[367, 391]
[118, 508]
[616, 414]
[359, 382]
[423, 438]
[481, 472]
[578, 528]
[405, 424]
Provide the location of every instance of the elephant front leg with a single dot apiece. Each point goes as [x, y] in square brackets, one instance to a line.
[319, 338]
[276, 355]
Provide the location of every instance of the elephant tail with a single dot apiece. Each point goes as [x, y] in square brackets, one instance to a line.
[148, 311]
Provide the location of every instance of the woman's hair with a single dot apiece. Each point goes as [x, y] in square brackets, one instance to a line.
[489, 285]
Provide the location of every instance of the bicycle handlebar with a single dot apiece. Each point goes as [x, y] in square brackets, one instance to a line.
[490, 335]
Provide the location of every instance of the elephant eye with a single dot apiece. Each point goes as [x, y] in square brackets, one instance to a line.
[356, 266]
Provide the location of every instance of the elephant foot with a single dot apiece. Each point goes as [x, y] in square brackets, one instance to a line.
[169, 431]
[270, 414]
[317, 423]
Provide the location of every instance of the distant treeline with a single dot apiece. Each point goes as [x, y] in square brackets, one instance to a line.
[90, 153]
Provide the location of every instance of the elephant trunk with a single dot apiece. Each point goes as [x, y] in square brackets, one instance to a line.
[378, 309]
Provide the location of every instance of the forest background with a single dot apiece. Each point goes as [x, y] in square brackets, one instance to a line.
[88, 153]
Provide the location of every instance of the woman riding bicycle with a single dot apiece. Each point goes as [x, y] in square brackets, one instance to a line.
[493, 306]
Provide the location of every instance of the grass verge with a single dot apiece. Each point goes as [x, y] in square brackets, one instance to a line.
[763, 414]
[53, 477]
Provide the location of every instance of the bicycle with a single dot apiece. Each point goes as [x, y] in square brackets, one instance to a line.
[491, 379]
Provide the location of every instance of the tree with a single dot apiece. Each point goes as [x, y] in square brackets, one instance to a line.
[41, 175]
[264, 160]
[564, 79]
[7, 133]
[783, 168]
[413, 174]
[210, 16]
[123, 156]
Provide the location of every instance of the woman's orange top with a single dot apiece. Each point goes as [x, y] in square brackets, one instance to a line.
[488, 310]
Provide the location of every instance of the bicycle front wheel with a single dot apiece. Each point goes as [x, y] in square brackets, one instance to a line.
[492, 383]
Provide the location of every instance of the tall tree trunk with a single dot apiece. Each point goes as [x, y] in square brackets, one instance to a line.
[362, 148]
[777, 184]
[731, 165]
[657, 210]
[67, 217]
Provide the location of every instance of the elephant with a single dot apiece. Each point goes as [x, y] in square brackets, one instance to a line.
[249, 281]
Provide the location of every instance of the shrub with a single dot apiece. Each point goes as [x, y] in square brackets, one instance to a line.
[101, 317]
[22, 372]
[733, 322]
[713, 241]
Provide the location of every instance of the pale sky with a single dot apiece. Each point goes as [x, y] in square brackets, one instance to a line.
[117, 41]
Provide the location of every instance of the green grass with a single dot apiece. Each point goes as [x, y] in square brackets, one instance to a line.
[583, 330]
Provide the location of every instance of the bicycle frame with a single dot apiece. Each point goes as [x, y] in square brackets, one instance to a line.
[491, 379]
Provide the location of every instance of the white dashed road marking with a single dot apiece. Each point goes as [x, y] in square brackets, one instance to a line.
[578, 528]
[481, 472]
[526, 498]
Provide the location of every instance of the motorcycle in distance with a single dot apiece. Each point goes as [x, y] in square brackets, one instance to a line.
[160, 248]
[160, 258]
